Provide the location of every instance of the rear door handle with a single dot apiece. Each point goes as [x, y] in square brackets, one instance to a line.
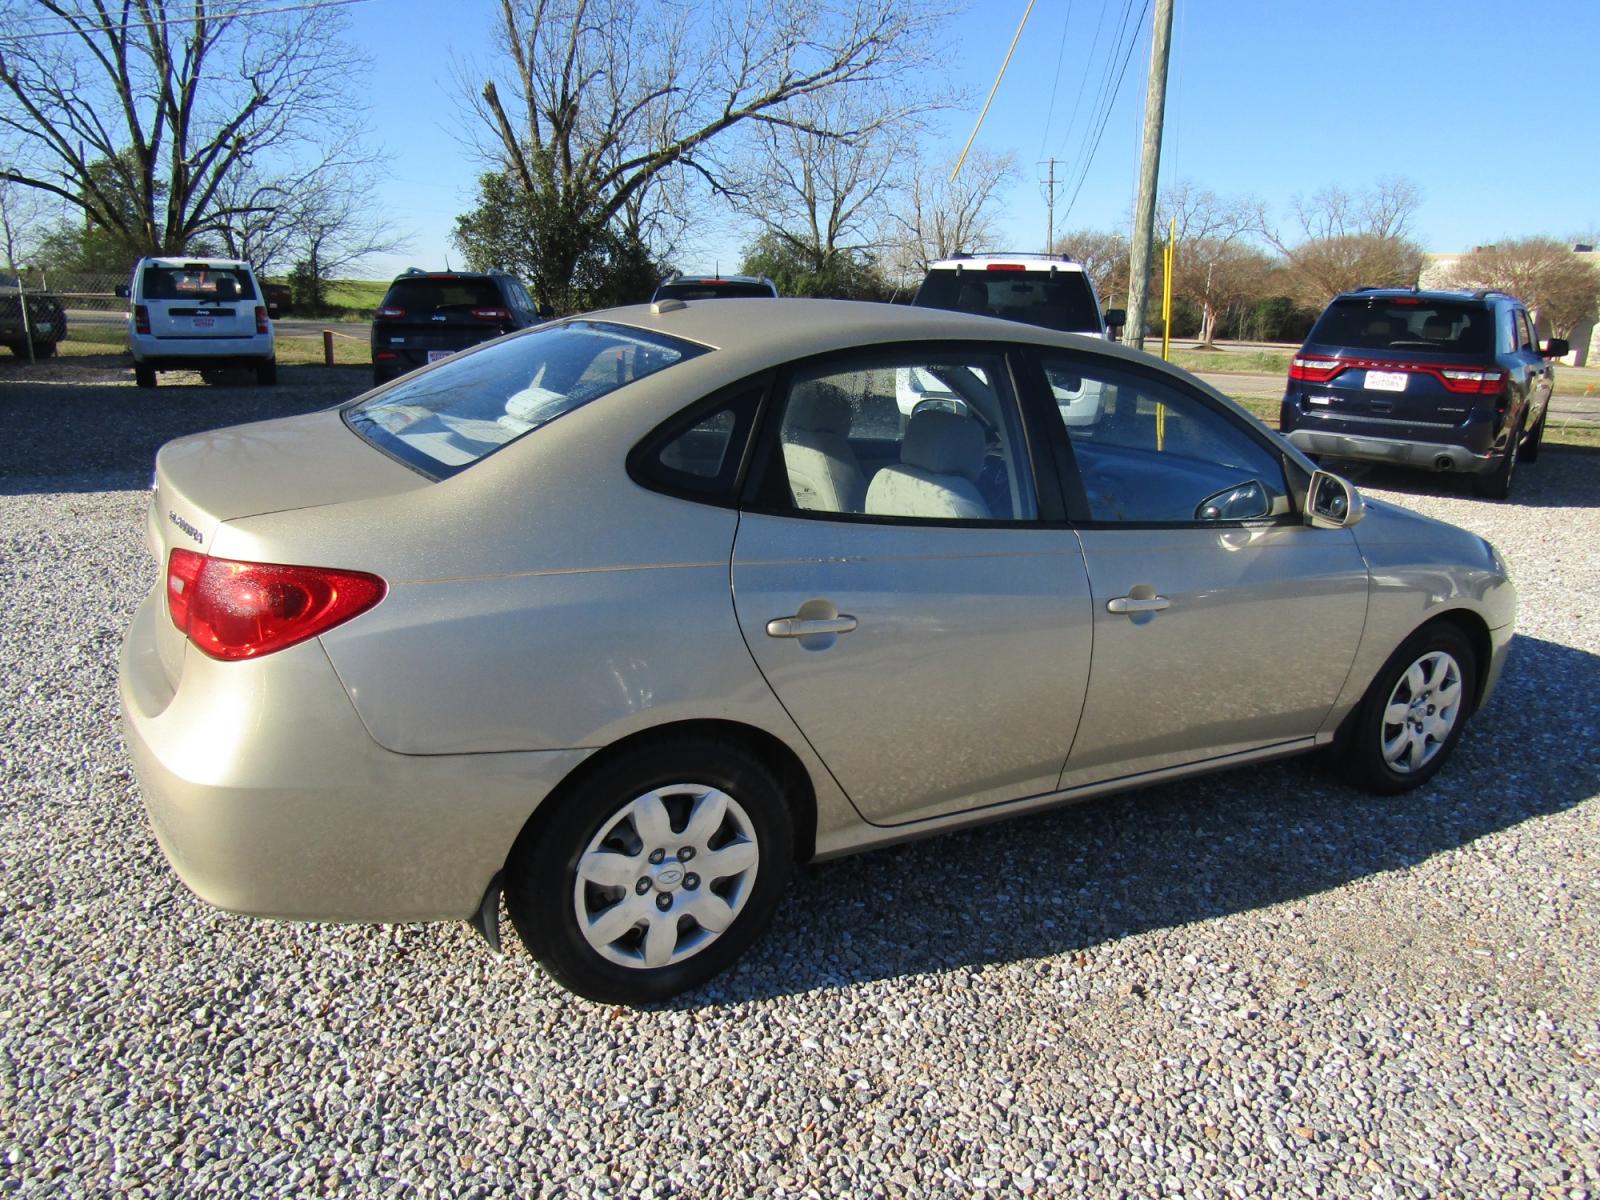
[1138, 604]
[794, 627]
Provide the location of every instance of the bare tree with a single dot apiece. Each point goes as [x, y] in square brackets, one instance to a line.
[1347, 240]
[939, 219]
[1214, 264]
[823, 198]
[1561, 287]
[174, 97]
[23, 217]
[1104, 255]
[604, 99]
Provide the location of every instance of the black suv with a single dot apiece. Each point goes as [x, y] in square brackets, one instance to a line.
[429, 315]
[715, 287]
[1446, 381]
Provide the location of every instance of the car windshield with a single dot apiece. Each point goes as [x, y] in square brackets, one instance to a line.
[1051, 299]
[440, 295]
[712, 289]
[197, 281]
[447, 418]
[1406, 323]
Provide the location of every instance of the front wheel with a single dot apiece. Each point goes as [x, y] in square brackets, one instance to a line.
[655, 874]
[1411, 718]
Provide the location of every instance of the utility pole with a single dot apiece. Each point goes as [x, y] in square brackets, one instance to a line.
[1144, 213]
[1050, 208]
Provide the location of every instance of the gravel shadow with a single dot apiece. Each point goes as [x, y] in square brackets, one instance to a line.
[80, 424]
[1165, 857]
[1564, 477]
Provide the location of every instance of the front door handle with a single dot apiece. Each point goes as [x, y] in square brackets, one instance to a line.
[1138, 604]
[794, 627]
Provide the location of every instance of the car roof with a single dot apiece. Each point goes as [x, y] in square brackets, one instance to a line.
[792, 327]
[1030, 262]
[1455, 295]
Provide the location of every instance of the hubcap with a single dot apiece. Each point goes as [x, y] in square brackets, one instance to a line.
[1422, 710]
[636, 901]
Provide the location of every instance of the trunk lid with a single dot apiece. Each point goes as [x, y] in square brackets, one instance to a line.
[207, 479]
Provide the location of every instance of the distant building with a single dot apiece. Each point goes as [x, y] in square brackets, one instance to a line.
[1585, 339]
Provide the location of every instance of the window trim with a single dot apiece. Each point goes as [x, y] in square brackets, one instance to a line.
[765, 490]
[749, 398]
[1043, 409]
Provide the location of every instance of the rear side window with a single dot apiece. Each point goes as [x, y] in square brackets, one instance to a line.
[1050, 299]
[197, 282]
[445, 419]
[1404, 323]
[442, 295]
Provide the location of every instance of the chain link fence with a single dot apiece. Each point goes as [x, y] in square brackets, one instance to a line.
[76, 312]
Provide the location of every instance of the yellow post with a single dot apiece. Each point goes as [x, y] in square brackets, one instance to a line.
[1166, 290]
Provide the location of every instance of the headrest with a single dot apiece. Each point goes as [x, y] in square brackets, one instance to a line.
[1379, 327]
[944, 443]
[227, 289]
[1438, 327]
[973, 296]
[819, 408]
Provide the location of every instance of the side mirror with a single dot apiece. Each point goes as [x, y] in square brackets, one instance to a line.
[949, 404]
[122, 291]
[1331, 503]
[1116, 318]
[1556, 348]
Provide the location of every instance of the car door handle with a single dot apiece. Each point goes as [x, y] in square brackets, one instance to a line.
[793, 627]
[1138, 604]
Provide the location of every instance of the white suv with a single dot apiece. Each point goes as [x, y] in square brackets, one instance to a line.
[197, 314]
[1051, 291]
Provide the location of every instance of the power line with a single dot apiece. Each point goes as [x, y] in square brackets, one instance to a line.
[1027, 12]
[1116, 92]
[1056, 82]
[1103, 91]
[184, 20]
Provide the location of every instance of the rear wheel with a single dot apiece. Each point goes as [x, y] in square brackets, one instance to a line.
[655, 874]
[1496, 484]
[44, 349]
[145, 377]
[1411, 718]
[267, 373]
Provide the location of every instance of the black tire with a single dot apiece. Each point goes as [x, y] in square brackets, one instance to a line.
[20, 349]
[1496, 484]
[145, 377]
[1530, 447]
[267, 373]
[379, 378]
[542, 871]
[44, 349]
[1362, 743]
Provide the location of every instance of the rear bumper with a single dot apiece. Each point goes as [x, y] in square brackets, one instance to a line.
[1431, 456]
[188, 354]
[269, 797]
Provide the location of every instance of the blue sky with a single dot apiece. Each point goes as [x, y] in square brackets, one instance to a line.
[1490, 108]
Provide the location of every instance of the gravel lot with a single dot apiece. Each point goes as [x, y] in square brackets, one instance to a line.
[1260, 984]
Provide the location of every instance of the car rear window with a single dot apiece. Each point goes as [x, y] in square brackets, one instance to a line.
[1406, 323]
[447, 418]
[716, 289]
[1051, 299]
[197, 282]
[440, 295]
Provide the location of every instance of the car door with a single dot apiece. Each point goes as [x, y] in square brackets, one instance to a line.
[1540, 374]
[928, 633]
[1222, 623]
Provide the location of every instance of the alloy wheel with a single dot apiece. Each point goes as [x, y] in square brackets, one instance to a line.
[1422, 710]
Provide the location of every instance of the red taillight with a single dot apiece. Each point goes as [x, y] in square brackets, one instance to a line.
[1005, 267]
[261, 319]
[1473, 383]
[141, 319]
[235, 610]
[385, 356]
[385, 311]
[492, 314]
[1315, 370]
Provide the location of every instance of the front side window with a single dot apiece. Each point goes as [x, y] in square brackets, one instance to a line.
[1148, 452]
[447, 418]
[923, 435]
[1524, 334]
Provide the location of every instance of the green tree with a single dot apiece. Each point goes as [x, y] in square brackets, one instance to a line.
[840, 275]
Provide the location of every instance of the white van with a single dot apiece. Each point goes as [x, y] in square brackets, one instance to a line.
[197, 314]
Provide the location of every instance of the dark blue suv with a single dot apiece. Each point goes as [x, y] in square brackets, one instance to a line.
[1445, 381]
